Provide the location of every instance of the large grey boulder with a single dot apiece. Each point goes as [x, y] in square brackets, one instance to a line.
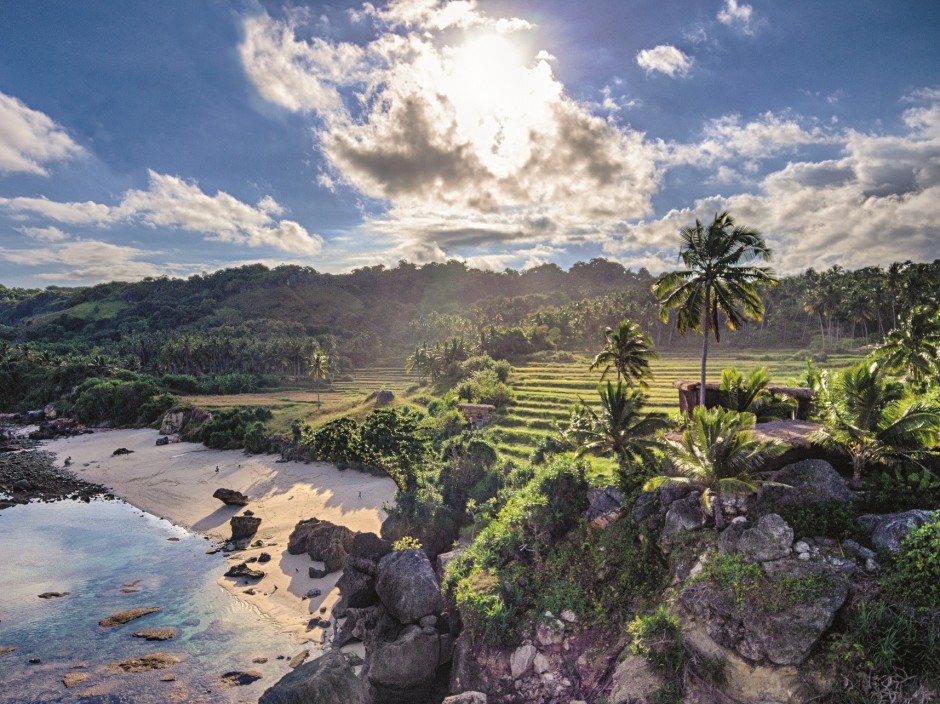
[889, 529]
[327, 680]
[230, 497]
[410, 662]
[769, 539]
[807, 482]
[779, 633]
[683, 515]
[407, 586]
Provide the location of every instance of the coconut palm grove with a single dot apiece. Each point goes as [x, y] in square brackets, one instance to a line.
[579, 514]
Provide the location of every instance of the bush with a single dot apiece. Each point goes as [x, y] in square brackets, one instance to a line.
[121, 401]
[234, 428]
[831, 520]
[658, 638]
[915, 573]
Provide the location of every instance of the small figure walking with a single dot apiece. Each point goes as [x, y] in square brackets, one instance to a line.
[360, 494]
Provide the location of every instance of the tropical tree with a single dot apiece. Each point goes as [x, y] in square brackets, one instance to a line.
[913, 347]
[719, 454]
[628, 350]
[621, 428]
[319, 370]
[874, 421]
[719, 279]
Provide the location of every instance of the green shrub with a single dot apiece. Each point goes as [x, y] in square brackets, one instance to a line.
[120, 401]
[227, 429]
[914, 576]
[657, 638]
[834, 519]
[733, 575]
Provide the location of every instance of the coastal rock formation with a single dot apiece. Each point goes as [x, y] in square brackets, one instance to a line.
[145, 663]
[230, 497]
[73, 679]
[240, 678]
[243, 527]
[466, 698]
[156, 634]
[321, 540]
[407, 585]
[122, 617]
[769, 539]
[327, 680]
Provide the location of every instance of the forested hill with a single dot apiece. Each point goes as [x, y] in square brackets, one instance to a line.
[255, 319]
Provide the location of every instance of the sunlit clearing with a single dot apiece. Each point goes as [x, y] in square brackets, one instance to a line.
[497, 99]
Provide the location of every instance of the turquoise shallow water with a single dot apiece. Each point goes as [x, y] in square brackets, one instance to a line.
[93, 550]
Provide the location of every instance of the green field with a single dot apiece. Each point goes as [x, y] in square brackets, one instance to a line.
[547, 391]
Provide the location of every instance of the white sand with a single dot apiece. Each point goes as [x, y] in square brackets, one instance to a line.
[176, 482]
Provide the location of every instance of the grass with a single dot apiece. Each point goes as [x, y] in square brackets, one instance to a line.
[545, 393]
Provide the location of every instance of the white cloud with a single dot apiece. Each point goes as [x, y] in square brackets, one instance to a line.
[737, 16]
[878, 202]
[172, 202]
[87, 260]
[729, 137]
[459, 136]
[665, 59]
[45, 234]
[30, 139]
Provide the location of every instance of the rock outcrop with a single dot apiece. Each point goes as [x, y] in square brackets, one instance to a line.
[323, 541]
[769, 539]
[244, 527]
[122, 617]
[889, 529]
[230, 497]
[407, 585]
[327, 680]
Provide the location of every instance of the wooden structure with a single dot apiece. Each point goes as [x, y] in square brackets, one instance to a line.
[477, 414]
[688, 396]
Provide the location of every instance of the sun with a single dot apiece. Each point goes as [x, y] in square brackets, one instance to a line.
[497, 99]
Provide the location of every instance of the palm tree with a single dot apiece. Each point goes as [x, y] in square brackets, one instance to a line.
[620, 429]
[872, 419]
[628, 350]
[718, 279]
[749, 394]
[319, 369]
[913, 347]
[719, 454]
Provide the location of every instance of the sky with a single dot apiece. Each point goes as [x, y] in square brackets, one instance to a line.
[183, 136]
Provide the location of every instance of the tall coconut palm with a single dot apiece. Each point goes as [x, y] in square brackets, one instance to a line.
[913, 347]
[628, 350]
[719, 454]
[719, 279]
[874, 421]
[620, 429]
[319, 370]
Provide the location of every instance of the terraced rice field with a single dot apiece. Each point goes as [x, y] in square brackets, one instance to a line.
[547, 391]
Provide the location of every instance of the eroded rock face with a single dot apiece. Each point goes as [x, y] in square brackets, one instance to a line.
[634, 681]
[769, 539]
[889, 529]
[407, 585]
[323, 541]
[327, 680]
[682, 516]
[466, 698]
[778, 633]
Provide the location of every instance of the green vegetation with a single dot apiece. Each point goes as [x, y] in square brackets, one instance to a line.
[914, 577]
[628, 350]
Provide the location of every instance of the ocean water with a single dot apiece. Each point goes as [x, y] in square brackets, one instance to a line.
[94, 550]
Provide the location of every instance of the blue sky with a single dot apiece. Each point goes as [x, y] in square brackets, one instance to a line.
[140, 138]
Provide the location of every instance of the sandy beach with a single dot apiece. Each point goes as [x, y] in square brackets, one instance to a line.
[176, 482]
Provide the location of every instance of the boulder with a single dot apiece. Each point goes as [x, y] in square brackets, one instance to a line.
[297, 541]
[605, 506]
[369, 546]
[356, 589]
[634, 681]
[327, 680]
[466, 698]
[807, 482]
[243, 570]
[407, 663]
[889, 529]
[767, 633]
[769, 539]
[146, 663]
[520, 662]
[230, 497]
[682, 516]
[321, 540]
[240, 678]
[164, 440]
[244, 527]
[156, 634]
[407, 585]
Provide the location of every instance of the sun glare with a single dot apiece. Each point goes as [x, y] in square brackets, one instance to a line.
[497, 99]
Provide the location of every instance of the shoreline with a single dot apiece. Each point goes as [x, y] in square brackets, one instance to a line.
[176, 482]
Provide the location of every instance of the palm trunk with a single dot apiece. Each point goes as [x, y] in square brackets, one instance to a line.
[718, 513]
[705, 330]
[858, 464]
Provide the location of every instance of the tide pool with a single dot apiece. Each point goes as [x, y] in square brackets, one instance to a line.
[110, 557]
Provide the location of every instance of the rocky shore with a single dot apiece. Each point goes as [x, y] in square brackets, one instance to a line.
[30, 474]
